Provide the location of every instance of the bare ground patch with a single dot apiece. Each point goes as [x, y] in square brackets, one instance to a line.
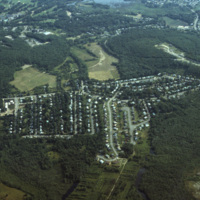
[180, 56]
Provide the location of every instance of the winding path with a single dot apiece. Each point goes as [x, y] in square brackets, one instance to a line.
[102, 58]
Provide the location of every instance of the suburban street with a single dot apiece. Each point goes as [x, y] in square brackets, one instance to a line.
[111, 125]
[96, 107]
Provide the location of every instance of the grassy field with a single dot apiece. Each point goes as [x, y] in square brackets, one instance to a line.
[125, 187]
[193, 183]
[8, 193]
[174, 23]
[29, 78]
[96, 184]
[99, 66]
[114, 182]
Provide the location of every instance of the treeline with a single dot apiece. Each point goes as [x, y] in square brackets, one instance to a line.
[53, 15]
[188, 18]
[174, 136]
[15, 53]
[138, 55]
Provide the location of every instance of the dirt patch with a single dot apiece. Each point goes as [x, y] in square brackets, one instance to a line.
[180, 56]
[9, 37]
[69, 14]
[135, 17]
[26, 66]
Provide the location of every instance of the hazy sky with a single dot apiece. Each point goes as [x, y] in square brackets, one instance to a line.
[109, 1]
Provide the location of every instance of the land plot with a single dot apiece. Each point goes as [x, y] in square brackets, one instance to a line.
[170, 49]
[174, 23]
[29, 78]
[100, 64]
[9, 193]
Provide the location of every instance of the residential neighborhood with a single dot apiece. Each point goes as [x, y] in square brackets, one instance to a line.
[119, 109]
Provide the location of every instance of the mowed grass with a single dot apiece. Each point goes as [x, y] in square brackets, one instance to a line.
[29, 78]
[8, 193]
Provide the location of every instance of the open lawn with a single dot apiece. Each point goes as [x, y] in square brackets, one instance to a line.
[29, 78]
[8, 193]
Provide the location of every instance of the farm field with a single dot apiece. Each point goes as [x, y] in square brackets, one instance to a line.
[29, 78]
[126, 186]
[97, 183]
[98, 61]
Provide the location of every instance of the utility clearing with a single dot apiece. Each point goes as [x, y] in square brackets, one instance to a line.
[180, 56]
[104, 68]
[99, 63]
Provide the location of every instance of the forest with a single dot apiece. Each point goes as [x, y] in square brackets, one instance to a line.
[46, 168]
[174, 139]
[139, 57]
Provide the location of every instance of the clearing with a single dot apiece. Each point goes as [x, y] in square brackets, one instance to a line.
[9, 193]
[170, 49]
[99, 63]
[103, 69]
[193, 183]
[29, 78]
[135, 17]
[174, 23]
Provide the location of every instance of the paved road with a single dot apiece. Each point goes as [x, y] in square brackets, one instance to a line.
[107, 159]
[48, 136]
[16, 100]
[111, 125]
[132, 127]
[75, 115]
[91, 119]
